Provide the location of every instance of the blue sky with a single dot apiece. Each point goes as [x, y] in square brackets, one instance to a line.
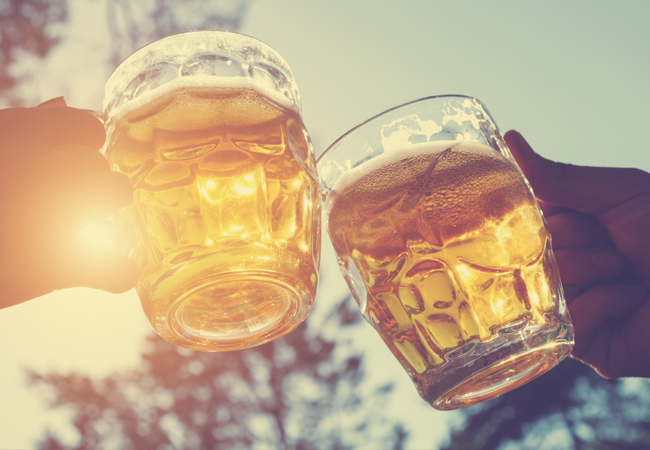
[572, 76]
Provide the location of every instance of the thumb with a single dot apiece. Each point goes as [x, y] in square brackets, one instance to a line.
[591, 190]
[58, 101]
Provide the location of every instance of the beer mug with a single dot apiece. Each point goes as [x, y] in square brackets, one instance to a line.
[445, 249]
[225, 224]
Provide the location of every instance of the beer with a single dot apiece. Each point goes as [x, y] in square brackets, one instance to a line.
[456, 262]
[225, 210]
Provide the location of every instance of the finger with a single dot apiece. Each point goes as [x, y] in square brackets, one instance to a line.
[94, 196]
[592, 190]
[18, 288]
[99, 270]
[66, 162]
[605, 327]
[66, 125]
[571, 291]
[591, 310]
[587, 265]
[58, 101]
[85, 266]
[574, 229]
[551, 210]
[53, 124]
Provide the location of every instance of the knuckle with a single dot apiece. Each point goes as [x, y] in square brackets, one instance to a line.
[564, 172]
[638, 176]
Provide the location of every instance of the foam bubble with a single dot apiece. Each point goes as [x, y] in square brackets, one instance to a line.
[204, 82]
[396, 154]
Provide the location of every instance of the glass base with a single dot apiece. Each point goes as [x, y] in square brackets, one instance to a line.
[480, 371]
[233, 312]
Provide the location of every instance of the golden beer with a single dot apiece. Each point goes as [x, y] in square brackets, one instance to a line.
[225, 220]
[456, 260]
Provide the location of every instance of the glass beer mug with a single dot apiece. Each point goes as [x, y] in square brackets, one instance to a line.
[225, 224]
[445, 249]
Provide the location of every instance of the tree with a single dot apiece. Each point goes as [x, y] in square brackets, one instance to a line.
[300, 391]
[570, 407]
[31, 29]
[26, 31]
[134, 24]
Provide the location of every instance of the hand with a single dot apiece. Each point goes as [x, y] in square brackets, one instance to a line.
[52, 182]
[599, 219]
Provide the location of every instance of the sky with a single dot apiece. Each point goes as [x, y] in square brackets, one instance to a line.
[572, 77]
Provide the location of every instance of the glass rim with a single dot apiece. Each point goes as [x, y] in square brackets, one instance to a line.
[123, 66]
[431, 97]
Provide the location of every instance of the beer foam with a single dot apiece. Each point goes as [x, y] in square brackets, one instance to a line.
[398, 133]
[205, 82]
[396, 154]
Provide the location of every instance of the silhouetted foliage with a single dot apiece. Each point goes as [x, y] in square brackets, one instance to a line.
[570, 407]
[300, 391]
[26, 30]
[134, 24]
[30, 29]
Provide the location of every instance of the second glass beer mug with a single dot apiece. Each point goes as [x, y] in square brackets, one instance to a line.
[225, 224]
[445, 249]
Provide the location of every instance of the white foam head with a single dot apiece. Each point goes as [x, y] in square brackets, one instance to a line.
[396, 154]
[205, 82]
[200, 59]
